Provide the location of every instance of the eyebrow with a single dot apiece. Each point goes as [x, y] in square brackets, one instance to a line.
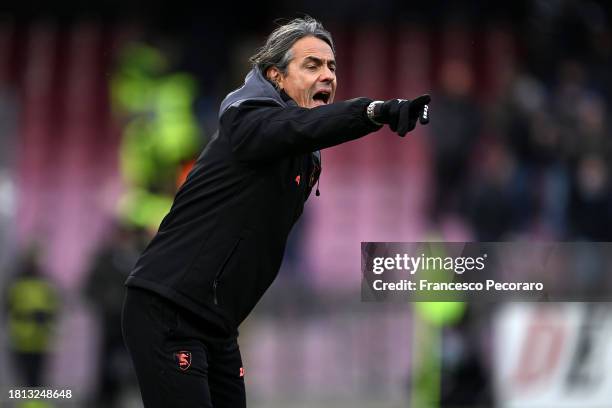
[319, 60]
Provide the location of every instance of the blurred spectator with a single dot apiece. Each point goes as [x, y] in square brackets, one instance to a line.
[104, 288]
[465, 381]
[548, 176]
[495, 195]
[591, 199]
[32, 305]
[455, 132]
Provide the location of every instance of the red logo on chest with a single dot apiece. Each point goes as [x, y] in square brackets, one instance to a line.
[297, 179]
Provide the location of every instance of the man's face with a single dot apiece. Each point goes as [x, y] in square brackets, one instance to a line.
[311, 75]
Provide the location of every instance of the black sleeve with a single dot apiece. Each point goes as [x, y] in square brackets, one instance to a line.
[259, 131]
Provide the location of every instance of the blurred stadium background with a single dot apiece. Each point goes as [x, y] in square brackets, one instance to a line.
[103, 106]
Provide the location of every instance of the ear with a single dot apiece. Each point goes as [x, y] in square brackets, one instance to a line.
[274, 75]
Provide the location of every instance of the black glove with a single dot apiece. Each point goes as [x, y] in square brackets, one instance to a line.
[402, 114]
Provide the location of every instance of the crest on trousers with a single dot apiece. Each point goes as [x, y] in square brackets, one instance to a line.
[183, 359]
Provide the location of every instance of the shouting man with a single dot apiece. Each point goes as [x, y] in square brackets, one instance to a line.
[222, 243]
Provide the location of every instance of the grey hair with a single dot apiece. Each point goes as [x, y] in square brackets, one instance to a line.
[276, 52]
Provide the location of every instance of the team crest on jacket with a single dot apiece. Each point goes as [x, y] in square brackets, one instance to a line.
[183, 359]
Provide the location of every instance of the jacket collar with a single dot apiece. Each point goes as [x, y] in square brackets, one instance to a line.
[257, 88]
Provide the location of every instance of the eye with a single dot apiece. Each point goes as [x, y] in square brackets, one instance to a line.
[311, 67]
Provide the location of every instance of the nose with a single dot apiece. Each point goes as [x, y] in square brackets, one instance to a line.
[327, 75]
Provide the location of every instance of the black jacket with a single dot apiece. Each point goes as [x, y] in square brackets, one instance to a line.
[222, 243]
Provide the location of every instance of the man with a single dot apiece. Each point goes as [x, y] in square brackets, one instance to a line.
[32, 303]
[221, 245]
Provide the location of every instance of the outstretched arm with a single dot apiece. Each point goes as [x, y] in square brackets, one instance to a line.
[260, 130]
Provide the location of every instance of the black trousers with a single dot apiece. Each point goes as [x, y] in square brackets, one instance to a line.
[176, 362]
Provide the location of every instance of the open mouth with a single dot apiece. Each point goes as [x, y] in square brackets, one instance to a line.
[321, 96]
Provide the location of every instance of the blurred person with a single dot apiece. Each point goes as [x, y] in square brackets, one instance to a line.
[32, 305]
[512, 116]
[548, 172]
[465, 378]
[104, 288]
[570, 86]
[454, 137]
[221, 245]
[496, 197]
[591, 200]
[532, 130]
[580, 111]
[524, 99]
[593, 134]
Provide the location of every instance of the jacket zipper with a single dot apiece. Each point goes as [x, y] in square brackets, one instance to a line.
[221, 270]
[318, 193]
[215, 283]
